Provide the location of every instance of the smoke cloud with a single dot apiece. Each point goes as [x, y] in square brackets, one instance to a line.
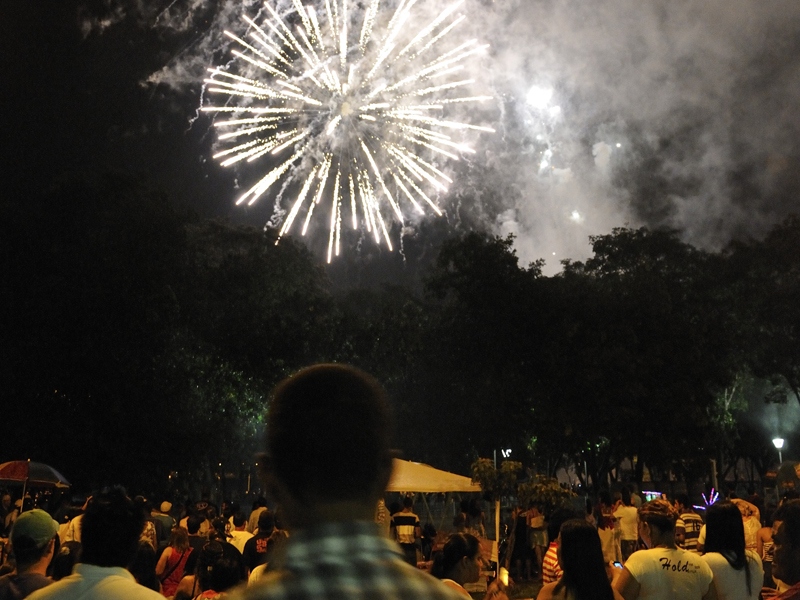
[610, 113]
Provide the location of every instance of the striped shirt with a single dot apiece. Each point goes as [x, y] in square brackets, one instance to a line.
[551, 570]
[345, 560]
[691, 523]
[405, 525]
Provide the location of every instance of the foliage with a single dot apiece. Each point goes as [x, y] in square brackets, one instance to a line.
[546, 493]
[152, 337]
[495, 482]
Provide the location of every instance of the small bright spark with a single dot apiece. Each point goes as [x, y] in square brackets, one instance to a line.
[576, 216]
[349, 106]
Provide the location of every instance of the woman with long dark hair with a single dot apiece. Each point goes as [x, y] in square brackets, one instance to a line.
[459, 562]
[738, 574]
[580, 555]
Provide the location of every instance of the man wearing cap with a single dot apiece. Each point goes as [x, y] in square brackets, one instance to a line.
[110, 537]
[663, 571]
[167, 522]
[32, 542]
[328, 463]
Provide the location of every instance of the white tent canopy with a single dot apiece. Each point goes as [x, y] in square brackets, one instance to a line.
[416, 477]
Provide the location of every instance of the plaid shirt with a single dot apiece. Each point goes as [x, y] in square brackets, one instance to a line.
[350, 561]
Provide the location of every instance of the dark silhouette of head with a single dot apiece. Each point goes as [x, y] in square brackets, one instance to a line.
[214, 570]
[581, 557]
[110, 529]
[557, 519]
[328, 432]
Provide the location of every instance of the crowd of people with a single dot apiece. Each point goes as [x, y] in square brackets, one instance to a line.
[327, 464]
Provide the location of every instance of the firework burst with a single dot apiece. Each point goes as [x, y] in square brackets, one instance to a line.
[343, 100]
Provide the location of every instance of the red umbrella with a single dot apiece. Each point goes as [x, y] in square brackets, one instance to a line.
[31, 474]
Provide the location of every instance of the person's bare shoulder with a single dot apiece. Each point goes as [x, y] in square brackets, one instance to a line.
[546, 593]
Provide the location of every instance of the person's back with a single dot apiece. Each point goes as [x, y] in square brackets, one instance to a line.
[663, 571]
[328, 463]
[738, 573]
[110, 531]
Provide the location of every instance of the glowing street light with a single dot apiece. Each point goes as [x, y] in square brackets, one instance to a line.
[778, 442]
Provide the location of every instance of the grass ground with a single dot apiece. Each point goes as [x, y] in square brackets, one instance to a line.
[519, 591]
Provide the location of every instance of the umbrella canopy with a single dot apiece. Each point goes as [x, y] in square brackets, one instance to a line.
[417, 477]
[33, 474]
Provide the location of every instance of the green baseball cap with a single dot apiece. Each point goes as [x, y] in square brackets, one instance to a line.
[36, 525]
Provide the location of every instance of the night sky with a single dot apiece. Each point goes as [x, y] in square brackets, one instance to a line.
[680, 114]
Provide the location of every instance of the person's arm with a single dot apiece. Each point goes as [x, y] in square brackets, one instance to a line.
[162, 562]
[627, 586]
[680, 533]
[711, 594]
[546, 593]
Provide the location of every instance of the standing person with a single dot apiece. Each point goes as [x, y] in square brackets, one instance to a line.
[166, 520]
[33, 543]
[476, 519]
[626, 515]
[538, 536]
[737, 573]
[259, 506]
[258, 548]
[110, 537]
[688, 525]
[406, 530]
[520, 552]
[581, 558]
[764, 550]
[172, 562]
[329, 461]
[460, 562]
[239, 535]
[551, 570]
[663, 571]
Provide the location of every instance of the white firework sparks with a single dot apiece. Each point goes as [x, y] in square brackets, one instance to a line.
[367, 110]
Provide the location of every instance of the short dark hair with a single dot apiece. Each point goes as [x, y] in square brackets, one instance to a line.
[193, 523]
[408, 502]
[683, 500]
[110, 529]
[328, 432]
[238, 519]
[266, 521]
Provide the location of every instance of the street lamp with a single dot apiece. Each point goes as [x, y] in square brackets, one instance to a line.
[778, 445]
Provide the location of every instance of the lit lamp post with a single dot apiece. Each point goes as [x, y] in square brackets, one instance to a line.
[778, 445]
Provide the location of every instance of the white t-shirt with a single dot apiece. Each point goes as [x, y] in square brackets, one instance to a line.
[628, 518]
[732, 584]
[669, 574]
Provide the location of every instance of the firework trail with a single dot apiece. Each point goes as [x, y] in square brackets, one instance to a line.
[342, 104]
